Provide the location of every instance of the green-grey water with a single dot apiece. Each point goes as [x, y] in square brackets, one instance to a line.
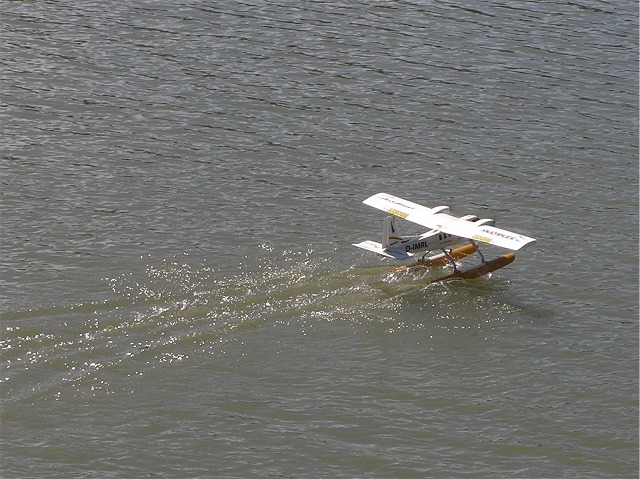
[180, 186]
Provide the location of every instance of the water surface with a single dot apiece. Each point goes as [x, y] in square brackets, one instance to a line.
[181, 184]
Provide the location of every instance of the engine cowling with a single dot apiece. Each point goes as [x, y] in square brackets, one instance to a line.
[440, 209]
[486, 221]
[478, 221]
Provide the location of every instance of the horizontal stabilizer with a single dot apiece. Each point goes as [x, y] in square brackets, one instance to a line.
[376, 247]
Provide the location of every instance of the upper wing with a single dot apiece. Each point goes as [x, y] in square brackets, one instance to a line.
[436, 219]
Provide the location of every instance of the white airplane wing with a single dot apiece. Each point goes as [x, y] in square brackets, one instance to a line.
[436, 219]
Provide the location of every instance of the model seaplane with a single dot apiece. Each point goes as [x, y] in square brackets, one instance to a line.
[446, 231]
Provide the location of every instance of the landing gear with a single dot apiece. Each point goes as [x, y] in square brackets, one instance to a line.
[452, 260]
[478, 250]
[448, 257]
[478, 271]
[441, 260]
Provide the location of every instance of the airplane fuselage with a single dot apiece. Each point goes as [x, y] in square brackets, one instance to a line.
[428, 241]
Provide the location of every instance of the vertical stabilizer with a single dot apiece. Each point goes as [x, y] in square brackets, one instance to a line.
[389, 232]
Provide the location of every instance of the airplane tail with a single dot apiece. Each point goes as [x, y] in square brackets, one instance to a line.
[389, 238]
[389, 232]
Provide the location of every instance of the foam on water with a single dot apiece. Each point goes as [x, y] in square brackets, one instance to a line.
[178, 309]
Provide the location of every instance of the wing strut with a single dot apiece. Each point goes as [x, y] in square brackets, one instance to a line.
[478, 250]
